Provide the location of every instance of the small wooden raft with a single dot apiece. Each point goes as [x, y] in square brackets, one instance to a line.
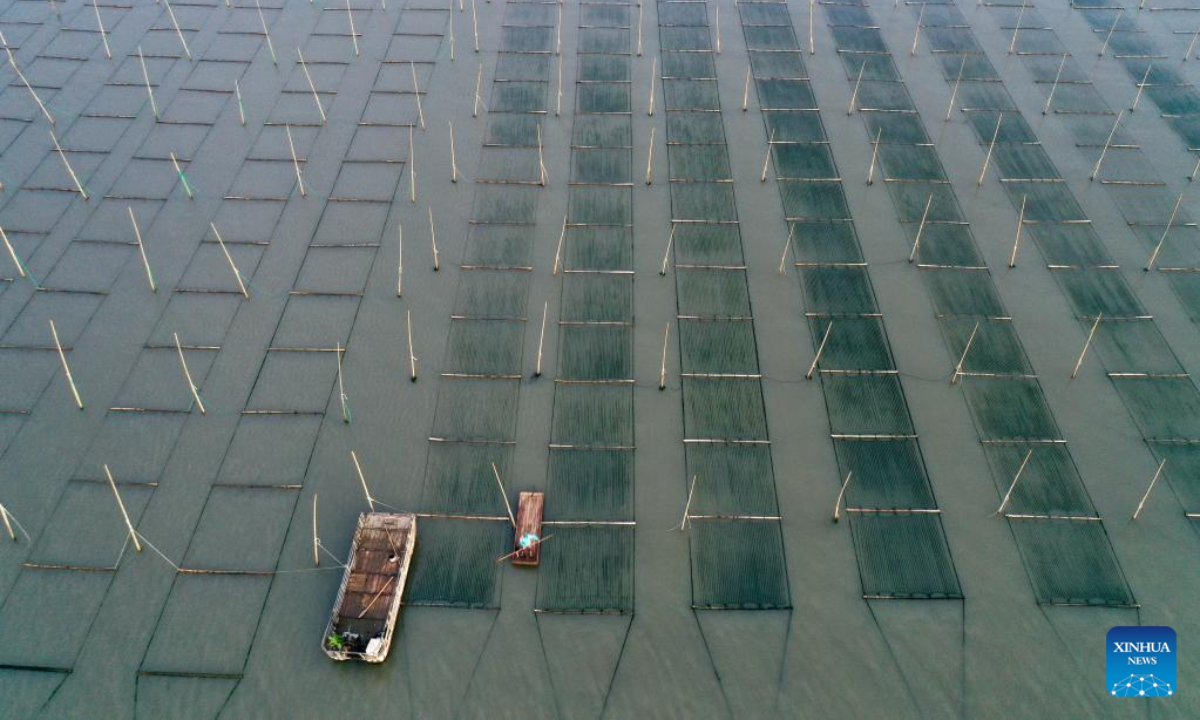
[527, 543]
[368, 603]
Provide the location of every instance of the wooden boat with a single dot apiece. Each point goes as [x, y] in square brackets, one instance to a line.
[368, 602]
[527, 543]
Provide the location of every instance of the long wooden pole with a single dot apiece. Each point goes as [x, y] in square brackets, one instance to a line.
[12, 253]
[316, 541]
[312, 86]
[62, 357]
[70, 170]
[1012, 259]
[958, 369]
[991, 148]
[874, 156]
[954, 93]
[1107, 143]
[295, 161]
[353, 32]
[12, 60]
[7, 523]
[103, 33]
[787, 245]
[400, 261]
[187, 187]
[1013, 43]
[412, 356]
[146, 77]
[270, 45]
[124, 514]
[412, 167]
[1111, 30]
[558, 251]
[653, 77]
[837, 506]
[342, 385]
[767, 159]
[1163, 239]
[1141, 86]
[1057, 75]
[920, 229]
[453, 157]
[178, 31]
[417, 92]
[667, 254]
[687, 506]
[857, 83]
[650, 159]
[437, 256]
[662, 370]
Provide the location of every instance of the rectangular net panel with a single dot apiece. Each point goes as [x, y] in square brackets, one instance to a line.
[455, 564]
[1071, 563]
[738, 565]
[586, 569]
[731, 480]
[903, 556]
[590, 484]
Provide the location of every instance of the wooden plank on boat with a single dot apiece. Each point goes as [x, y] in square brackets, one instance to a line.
[368, 603]
[529, 529]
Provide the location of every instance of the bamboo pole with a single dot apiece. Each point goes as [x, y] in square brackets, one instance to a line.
[1188, 53]
[271, 46]
[12, 60]
[812, 47]
[412, 356]
[237, 274]
[342, 385]
[121, 505]
[991, 148]
[504, 494]
[1013, 43]
[1107, 143]
[178, 31]
[718, 24]
[62, 357]
[478, 82]
[1153, 482]
[1012, 259]
[12, 253]
[650, 159]
[662, 369]
[7, 523]
[958, 369]
[653, 77]
[531, 545]
[187, 374]
[920, 229]
[917, 34]
[354, 33]
[639, 43]
[237, 90]
[541, 157]
[417, 92]
[316, 541]
[437, 256]
[1086, 344]
[453, 157]
[666, 255]
[687, 507]
[400, 261]
[313, 87]
[187, 187]
[1141, 86]
[146, 76]
[1057, 75]
[363, 480]
[558, 32]
[857, 83]
[1171, 221]
[746, 92]
[820, 351]
[786, 246]
[1013, 486]
[874, 156]
[537, 372]
[837, 506]
[1195, 169]
[295, 161]
[1111, 30]
[451, 37]
[71, 171]
[558, 252]
[103, 33]
[475, 25]
[412, 167]
[559, 95]
[137, 233]
[767, 160]
[954, 93]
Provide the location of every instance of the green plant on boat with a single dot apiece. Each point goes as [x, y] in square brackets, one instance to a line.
[335, 641]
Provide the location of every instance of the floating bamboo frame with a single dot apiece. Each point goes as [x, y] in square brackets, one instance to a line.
[62, 357]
